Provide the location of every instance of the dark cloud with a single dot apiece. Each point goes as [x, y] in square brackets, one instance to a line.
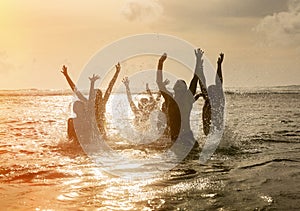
[254, 8]
[223, 8]
[282, 28]
[228, 16]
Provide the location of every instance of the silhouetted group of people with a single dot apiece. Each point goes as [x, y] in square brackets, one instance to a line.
[145, 106]
[177, 106]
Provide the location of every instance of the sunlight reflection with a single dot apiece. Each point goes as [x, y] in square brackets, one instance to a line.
[124, 194]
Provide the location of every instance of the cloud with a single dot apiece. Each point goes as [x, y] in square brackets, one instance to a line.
[142, 10]
[282, 28]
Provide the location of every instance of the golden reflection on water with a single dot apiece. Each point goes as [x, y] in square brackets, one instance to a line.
[104, 190]
[98, 189]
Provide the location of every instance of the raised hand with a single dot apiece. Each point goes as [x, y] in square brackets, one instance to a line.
[118, 67]
[163, 57]
[199, 54]
[221, 58]
[64, 70]
[94, 78]
[125, 81]
[166, 82]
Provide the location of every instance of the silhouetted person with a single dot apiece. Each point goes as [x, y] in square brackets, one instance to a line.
[84, 109]
[178, 106]
[145, 106]
[101, 101]
[79, 110]
[214, 99]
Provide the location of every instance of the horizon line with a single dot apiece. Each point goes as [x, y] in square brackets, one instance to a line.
[68, 89]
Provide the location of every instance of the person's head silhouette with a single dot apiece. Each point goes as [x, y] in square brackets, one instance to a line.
[78, 108]
[180, 87]
[143, 103]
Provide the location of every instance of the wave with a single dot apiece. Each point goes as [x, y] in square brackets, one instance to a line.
[293, 89]
[267, 162]
[28, 175]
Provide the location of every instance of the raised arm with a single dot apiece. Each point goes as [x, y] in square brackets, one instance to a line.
[91, 102]
[199, 72]
[133, 107]
[199, 65]
[219, 68]
[72, 85]
[111, 83]
[149, 93]
[159, 77]
[92, 89]
[153, 103]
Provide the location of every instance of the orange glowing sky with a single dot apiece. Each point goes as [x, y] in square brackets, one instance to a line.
[261, 39]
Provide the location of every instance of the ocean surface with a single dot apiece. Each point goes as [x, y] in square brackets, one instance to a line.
[256, 166]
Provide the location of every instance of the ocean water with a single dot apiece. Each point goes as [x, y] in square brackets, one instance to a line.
[256, 167]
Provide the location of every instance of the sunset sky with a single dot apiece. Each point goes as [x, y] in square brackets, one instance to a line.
[260, 38]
